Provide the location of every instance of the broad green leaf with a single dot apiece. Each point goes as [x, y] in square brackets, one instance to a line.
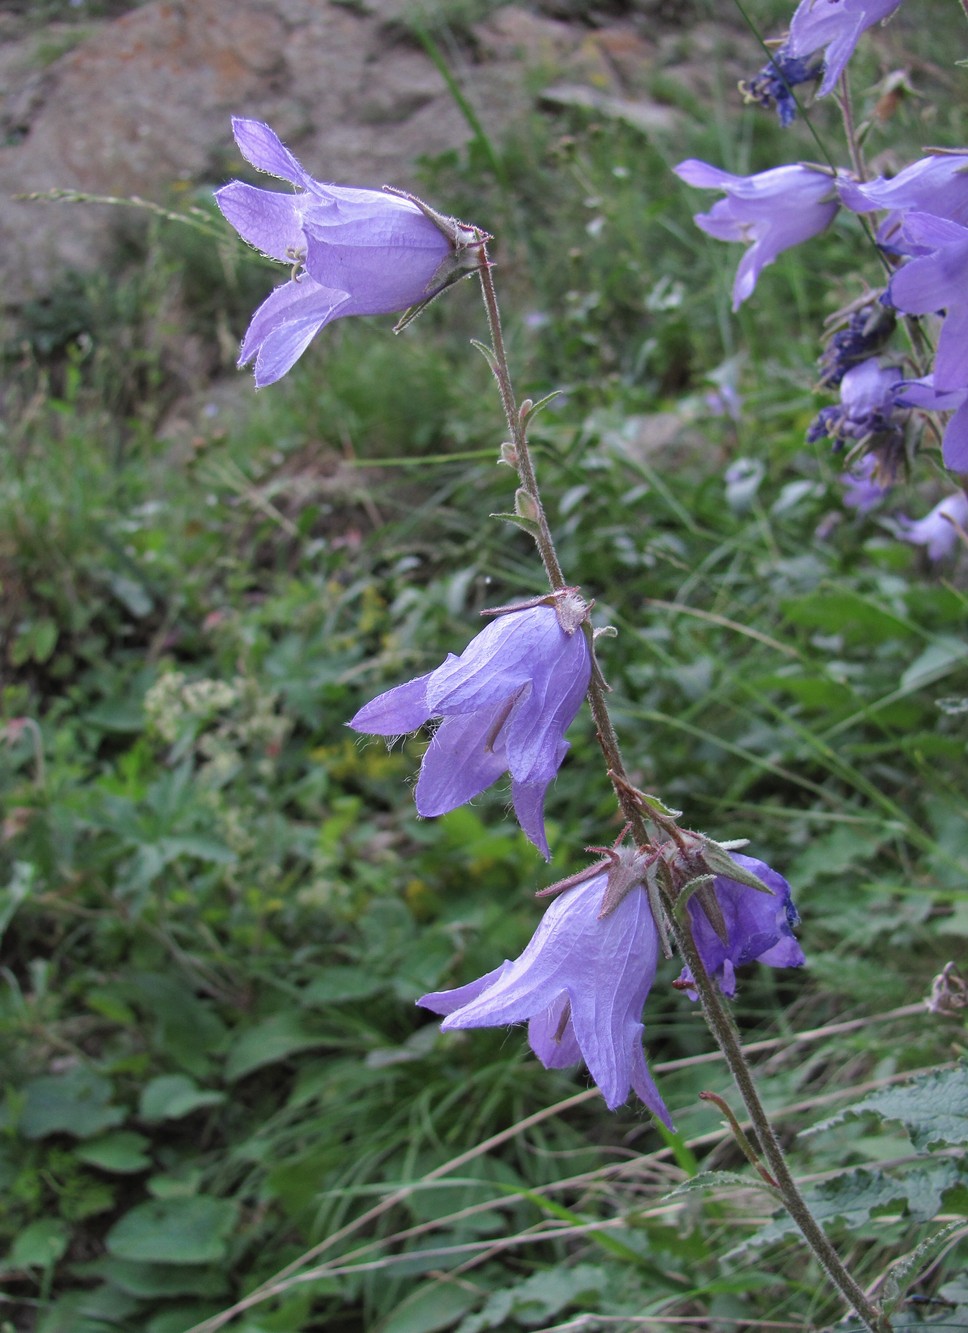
[933, 1108]
[76, 1103]
[270, 1041]
[150, 1281]
[850, 1198]
[123, 1153]
[172, 1096]
[39, 1245]
[174, 1231]
[435, 1306]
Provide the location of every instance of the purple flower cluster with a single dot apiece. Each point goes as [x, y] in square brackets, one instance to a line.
[581, 983]
[583, 979]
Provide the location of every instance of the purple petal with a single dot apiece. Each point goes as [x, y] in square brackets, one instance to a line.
[266, 151]
[528, 800]
[954, 448]
[446, 1001]
[464, 756]
[551, 1035]
[397, 712]
[267, 219]
[285, 324]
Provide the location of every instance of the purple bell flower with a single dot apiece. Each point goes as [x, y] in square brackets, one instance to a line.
[937, 280]
[834, 26]
[937, 185]
[923, 394]
[862, 489]
[758, 927]
[504, 706]
[580, 985]
[351, 251]
[774, 209]
[938, 532]
[866, 405]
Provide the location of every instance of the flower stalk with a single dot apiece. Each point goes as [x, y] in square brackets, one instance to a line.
[717, 1015]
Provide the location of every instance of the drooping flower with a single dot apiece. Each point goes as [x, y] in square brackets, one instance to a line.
[937, 280]
[757, 926]
[351, 251]
[866, 405]
[923, 394]
[835, 27]
[940, 531]
[937, 185]
[580, 985]
[774, 210]
[863, 488]
[504, 706]
[772, 87]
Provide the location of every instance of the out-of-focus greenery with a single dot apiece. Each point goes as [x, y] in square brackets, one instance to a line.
[217, 906]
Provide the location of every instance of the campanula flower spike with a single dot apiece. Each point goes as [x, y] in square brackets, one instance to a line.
[503, 706]
[580, 985]
[350, 251]
[773, 210]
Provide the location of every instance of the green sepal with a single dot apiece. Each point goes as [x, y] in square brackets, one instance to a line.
[686, 892]
[654, 803]
[719, 862]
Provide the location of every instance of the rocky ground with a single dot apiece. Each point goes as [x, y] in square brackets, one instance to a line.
[136, 100]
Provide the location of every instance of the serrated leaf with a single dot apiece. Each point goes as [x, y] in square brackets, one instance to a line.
[904, 1272]
[718, 1180]
[932, 1108]
[850, 1198]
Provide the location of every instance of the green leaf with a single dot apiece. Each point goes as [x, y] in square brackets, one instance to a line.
[850, 1198]
[344, 983]
[39, 1245]
[172, 1096]
[174, 1231]
[270, 1041]
[76, 1103]
[123, 1153]
[932, 1108]
[527, 525]
[434, 1306]
[904, 1272]
[149, 1281]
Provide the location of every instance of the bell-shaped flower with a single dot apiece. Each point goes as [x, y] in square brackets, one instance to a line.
[863, 487]
[504, 706]
[753, 926]
[580, 985]
[351, 251]
[940, 531]
[773, 210]
[924, 394]
[937, 185]
[866, 405]
[937, 281]
[834, 26]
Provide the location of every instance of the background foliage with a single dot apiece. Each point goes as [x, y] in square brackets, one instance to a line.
[217, 906]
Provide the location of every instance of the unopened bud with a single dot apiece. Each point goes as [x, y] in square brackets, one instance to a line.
[509, 454]
[525, 505]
